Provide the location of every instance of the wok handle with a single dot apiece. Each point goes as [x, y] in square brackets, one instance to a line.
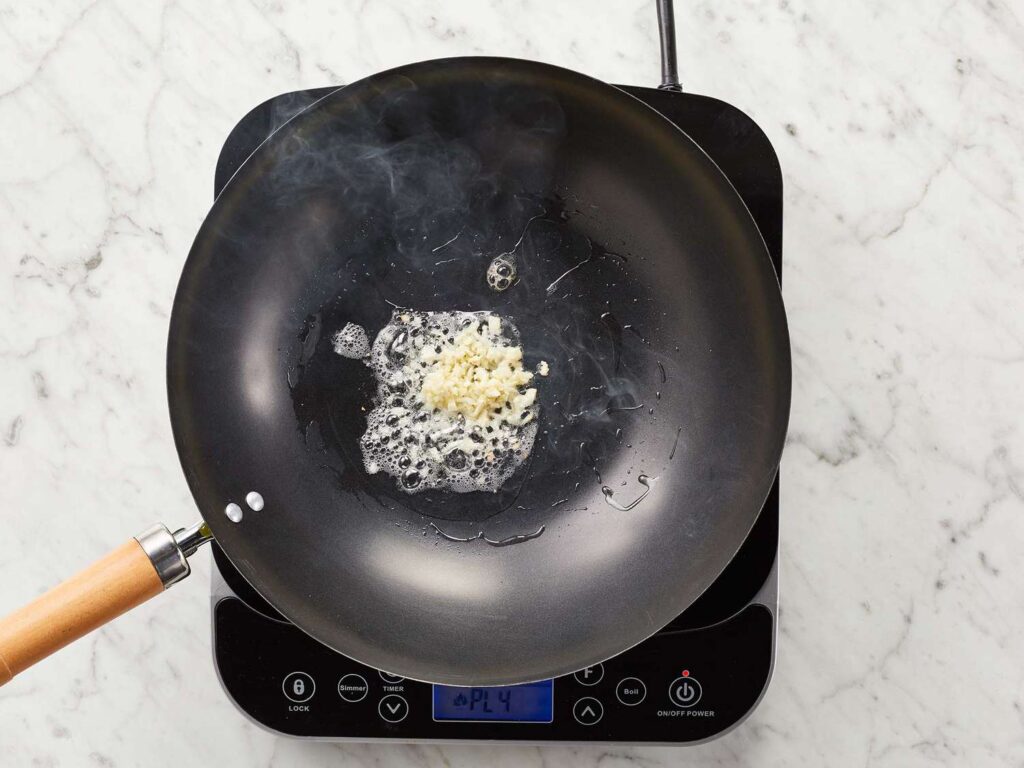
[667, 33]
[139, 569]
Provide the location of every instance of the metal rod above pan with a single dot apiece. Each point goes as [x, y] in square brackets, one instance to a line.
[667, 32]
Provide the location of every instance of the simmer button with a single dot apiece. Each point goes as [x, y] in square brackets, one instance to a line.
[352, 688]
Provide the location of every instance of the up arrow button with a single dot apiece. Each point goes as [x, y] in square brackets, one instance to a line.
[588, 711]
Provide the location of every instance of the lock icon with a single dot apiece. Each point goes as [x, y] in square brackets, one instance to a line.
[298, 687]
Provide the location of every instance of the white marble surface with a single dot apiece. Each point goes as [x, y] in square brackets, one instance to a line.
[899, 130]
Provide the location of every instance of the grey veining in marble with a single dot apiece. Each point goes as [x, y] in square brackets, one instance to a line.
[899, 128]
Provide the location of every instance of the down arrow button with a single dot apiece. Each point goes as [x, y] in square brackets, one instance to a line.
[393, 708]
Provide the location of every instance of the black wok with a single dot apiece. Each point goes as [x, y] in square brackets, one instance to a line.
[351, 209]
[644, 284]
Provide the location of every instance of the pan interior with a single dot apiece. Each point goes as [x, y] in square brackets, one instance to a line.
[644, 285]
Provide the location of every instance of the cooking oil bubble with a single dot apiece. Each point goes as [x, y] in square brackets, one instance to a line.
[351, 341]
[502, 272]
[426, 447]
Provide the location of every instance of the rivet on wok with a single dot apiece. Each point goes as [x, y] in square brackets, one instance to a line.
[234, 512]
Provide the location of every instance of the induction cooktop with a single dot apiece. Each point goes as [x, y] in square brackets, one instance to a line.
[697, 678]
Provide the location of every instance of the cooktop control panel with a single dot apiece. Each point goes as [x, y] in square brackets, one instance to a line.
[677, 686]
[692, 681]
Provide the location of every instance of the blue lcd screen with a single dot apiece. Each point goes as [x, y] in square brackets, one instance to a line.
[529, 703]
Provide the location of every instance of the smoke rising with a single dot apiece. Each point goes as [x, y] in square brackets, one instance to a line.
[402, 196]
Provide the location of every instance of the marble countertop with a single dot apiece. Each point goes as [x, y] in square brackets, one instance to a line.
[898, 126]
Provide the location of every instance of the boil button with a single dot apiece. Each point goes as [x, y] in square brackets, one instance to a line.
[630, 691]
[684, 692]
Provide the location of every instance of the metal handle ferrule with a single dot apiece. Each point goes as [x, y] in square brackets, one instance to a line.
[167, 557]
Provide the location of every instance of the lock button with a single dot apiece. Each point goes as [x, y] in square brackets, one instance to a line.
[298, 687]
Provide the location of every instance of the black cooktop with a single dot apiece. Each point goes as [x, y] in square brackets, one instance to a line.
[694, 680]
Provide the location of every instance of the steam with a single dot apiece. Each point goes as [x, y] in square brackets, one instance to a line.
[405, 194]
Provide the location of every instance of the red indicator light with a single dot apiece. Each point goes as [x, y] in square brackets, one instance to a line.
[686, 673]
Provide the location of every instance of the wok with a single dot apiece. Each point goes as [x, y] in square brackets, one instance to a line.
[644, 284]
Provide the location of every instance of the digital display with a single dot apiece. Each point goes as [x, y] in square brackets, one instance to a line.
[529, 703]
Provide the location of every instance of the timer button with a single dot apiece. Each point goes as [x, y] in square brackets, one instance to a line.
[387, 677]
[631, 691]
[298, 687]
[393, 708]
[588, 711]
[590, 675]
[685, 691]
[352, 688]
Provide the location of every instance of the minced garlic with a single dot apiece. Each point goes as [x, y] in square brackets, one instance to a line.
[471, 425]
[478, 377]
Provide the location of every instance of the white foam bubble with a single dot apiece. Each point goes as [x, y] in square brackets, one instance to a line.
[424, 447]
[502, 272]
[352, 341]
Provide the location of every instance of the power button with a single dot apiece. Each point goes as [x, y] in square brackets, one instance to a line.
[685, 691]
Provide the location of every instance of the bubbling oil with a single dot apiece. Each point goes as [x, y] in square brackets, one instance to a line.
[502, 272]
[429, 448]
[351, 341]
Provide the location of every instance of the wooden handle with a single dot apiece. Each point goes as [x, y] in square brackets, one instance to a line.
[120, 581]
